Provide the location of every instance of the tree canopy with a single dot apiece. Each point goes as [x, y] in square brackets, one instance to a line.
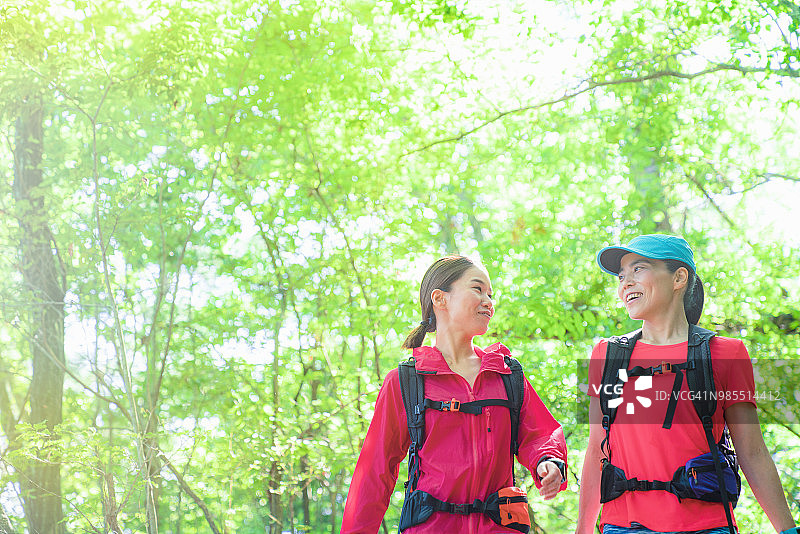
[216, 216]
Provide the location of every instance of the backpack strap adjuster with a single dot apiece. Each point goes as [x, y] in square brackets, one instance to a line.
[451, 406]
[460, 509]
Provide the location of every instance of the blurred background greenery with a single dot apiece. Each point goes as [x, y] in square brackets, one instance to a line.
[216, 215]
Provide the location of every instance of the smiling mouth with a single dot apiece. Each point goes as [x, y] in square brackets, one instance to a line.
[632, 296]
[486, 313]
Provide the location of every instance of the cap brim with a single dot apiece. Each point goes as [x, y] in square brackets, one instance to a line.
[610, 259]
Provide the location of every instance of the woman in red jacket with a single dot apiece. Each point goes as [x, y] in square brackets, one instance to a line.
[465, 457]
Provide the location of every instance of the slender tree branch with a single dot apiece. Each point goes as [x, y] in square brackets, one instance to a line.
[22, 473]
[122, 361]
[772, 16]
[770, 175]
[591, 85]
[719, 210]
[184, 248]
[350, 258]
[766, 178]
[5, 523]
[464, 75]
[195, 497]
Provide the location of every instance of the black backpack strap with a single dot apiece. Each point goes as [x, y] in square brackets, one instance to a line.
[701, 382]
[701, 378]
[515, 391]
[412, 389]
[472, 407]
[618, 356]
[677, 384]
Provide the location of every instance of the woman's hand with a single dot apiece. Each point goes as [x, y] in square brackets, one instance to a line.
[550, 476]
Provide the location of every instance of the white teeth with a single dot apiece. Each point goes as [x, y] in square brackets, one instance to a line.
[633, 296]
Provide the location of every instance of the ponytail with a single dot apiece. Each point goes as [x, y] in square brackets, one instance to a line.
[417, 336]
[694, 296]
[693, 300]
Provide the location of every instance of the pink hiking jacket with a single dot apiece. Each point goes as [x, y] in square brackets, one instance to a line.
[465, 457]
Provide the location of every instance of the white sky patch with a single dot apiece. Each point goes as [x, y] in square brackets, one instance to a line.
[714, 50]
[255, 348]
[239, 243]
[771, 212]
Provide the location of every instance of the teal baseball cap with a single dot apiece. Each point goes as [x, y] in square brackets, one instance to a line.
[653, 246]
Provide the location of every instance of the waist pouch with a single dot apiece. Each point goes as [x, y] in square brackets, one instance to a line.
[697, 479]
[507, 507]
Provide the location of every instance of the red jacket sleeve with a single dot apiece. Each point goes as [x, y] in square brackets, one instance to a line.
[540, 434]
[375, 476]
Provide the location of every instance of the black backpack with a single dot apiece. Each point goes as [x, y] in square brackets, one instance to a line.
[412, 387]
[700, 379]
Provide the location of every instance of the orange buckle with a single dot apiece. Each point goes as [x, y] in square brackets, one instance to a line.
[452, 406]
[666, 367]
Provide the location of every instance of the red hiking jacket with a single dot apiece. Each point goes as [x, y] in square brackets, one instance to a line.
[465, 457]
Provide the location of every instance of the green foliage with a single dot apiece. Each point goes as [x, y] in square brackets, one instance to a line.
[244, 197]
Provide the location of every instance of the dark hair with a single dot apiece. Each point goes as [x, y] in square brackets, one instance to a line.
[440, 275]
[694, 296]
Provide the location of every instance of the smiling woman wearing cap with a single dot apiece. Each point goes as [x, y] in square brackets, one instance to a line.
[646, 472]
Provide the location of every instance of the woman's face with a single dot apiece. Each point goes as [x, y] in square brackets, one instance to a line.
[469, 302]
[646, 287]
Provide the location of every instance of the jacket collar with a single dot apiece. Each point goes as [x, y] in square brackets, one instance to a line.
[430, 359]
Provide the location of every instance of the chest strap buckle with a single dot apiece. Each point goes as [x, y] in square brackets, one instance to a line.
[451, 406]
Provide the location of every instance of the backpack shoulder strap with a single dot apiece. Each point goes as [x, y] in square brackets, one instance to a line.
[618, 356]
[700, 377]
[701, 380]
[515, 390]
[412, 389]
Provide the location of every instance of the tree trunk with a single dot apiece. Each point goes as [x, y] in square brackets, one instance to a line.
[44, 280]
[275, 472]
[648, 182]
[8, 423]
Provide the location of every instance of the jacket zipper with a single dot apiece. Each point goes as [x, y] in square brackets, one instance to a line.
[473, 519]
